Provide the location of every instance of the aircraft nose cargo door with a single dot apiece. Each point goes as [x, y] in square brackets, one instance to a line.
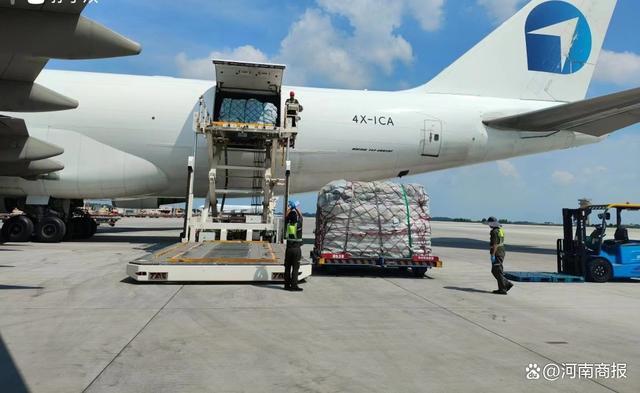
[431, 138]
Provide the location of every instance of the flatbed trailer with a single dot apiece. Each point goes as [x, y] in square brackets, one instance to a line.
[230, 261]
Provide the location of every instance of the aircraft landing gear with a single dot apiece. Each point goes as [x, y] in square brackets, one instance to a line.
[82, 228]
[61, 220]
[18, 229]
[50, 230]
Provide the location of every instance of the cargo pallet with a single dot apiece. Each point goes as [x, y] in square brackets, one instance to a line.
[420, 264]
[543, 277]
[220, 247]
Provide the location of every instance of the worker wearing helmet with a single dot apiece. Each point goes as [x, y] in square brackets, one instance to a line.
[498, 253]
[293, 254]
[293, 108]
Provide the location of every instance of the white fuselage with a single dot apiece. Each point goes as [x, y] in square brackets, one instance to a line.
[131, 136]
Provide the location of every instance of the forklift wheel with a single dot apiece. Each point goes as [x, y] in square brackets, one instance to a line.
[599, 270]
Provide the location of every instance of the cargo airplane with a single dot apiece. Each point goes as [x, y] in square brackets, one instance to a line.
[66, 136]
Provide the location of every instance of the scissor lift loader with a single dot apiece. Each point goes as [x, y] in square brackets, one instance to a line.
[248, 157]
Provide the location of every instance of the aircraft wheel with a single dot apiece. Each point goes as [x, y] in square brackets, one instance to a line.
[84, 228]
[92, 225]
[50, 230]
[72, 230]
[599, 270]
[18, 229]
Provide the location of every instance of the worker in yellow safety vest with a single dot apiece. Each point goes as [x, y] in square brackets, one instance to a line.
[498, 253]
[293, 253]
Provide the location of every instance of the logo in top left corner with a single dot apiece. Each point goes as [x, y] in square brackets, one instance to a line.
[559, 39]
[56, 2]
[32, 2]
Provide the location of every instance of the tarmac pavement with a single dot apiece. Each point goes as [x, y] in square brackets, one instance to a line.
[70, 321]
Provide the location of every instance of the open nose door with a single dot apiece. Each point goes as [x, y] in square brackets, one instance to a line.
[431, 138]
[252, 78]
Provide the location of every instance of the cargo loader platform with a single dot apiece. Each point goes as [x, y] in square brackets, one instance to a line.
[231, 261]
[250, 131]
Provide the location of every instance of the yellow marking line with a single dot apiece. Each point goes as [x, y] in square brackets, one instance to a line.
[270, 249]
[178, 258]
[168, 250]
[186, 251]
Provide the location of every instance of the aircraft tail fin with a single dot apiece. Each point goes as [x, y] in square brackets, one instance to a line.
[548, 51]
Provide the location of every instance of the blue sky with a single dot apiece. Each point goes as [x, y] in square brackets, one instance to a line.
[389, 45]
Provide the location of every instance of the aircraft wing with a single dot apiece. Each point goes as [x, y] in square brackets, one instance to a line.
[597, 116]
[31, 35]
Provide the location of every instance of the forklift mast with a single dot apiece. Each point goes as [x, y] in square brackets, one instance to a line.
[572, 251]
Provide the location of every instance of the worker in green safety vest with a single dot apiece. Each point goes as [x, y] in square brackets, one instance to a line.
[293, 253]
[498, 253]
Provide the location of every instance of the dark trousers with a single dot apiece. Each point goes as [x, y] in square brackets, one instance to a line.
[292, 258]
[294, 118]
[498, 272]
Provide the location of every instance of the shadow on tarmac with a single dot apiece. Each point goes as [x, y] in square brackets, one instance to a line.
[474, 244]
[271, 285]
[14, 287]
[100, 238]
[10, 378]
[470, 290]
[106, 229]
[365, 272]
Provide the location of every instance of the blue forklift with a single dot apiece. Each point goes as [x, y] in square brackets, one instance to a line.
[591, 256]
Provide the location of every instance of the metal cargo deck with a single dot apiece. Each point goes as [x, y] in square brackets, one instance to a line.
[222, 261]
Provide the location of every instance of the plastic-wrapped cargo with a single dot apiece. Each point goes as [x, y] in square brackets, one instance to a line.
[253, 111]
[269, 114]
[248, 111]
[236, 111]
[377, 219]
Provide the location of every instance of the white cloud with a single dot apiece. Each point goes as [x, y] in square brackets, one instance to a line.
[317, 48]
[598, 170]
[563, 178]
[429, 13]
[620, 68]
[501, 10]
[202, 68]
[507, 169]
[372, 43]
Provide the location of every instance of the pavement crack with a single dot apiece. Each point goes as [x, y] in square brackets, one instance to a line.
[446, 309]
[132, 339]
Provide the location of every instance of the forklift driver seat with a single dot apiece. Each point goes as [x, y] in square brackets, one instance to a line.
[622, 234]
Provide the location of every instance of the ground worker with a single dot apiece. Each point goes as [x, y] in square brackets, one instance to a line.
[293, 254]
[497, 250]
[293, 108]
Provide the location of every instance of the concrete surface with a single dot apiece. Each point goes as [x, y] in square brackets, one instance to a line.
[70, 322]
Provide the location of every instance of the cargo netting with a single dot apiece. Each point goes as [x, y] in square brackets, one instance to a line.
[377, 219]
[248, 111]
